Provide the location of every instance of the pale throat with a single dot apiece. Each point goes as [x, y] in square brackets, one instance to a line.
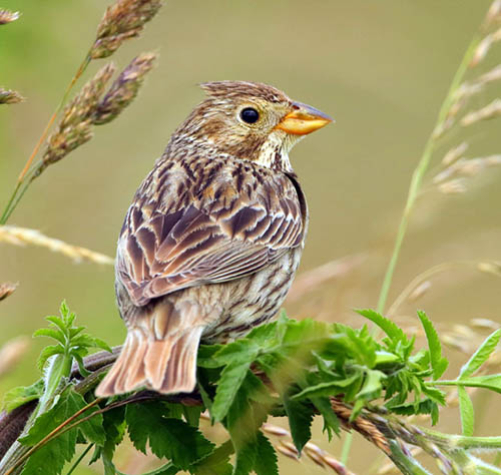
[274, 153]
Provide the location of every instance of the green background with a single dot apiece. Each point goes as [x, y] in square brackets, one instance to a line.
[381, 68]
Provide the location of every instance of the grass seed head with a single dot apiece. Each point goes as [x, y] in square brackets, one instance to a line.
[490, 267]
[419, 291]
[75, 127]
[8, 17]
[453, 187]
[490, 111]
[493, 14]
[25, 236]
[7, 289]
[123, 20]
[454, 154]
[484, 324]
[10, 97]
[125, 88]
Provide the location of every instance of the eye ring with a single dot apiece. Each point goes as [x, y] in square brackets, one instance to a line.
[249, 115]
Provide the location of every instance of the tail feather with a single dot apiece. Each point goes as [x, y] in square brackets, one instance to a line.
[167, 365]
[182, 367]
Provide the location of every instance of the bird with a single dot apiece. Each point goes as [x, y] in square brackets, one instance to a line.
[214, 235]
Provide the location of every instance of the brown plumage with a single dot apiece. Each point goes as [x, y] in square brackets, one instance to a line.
[212, 240]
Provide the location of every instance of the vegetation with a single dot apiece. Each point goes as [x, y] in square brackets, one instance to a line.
[354, 379]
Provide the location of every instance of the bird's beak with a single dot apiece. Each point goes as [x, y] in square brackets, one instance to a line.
[303, 120]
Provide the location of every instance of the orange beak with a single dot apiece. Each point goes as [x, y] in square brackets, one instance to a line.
[303, 120]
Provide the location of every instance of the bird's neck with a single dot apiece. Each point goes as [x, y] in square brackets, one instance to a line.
[273, 153]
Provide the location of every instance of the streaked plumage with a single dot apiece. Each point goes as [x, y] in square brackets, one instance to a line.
[212, 240]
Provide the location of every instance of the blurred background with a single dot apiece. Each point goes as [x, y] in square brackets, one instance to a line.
[380, 68]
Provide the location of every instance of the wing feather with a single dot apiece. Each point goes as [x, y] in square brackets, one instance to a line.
[219, 234]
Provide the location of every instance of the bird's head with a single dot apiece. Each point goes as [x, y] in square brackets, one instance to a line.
[251, 121]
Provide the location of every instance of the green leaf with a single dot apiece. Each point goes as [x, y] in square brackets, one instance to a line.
[91, 429]
[327, 388]
[218, 463]
[47, 352]
[246, 415]
[438, 362]
[390, 328]
[114, 428]
[266, 458]
[18, 396]
[52, 456]
[246, 459]
[167, 437]
[372, 386]
[58, 323]
[490, 381]
[331, 421]
[467, 412]
[50, 333]
[481, 355]
[228, 385]
[300, 416]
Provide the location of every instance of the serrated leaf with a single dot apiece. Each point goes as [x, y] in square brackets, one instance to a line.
[246, 415]
[50, 333]
[246, 459]
[467, 412]
[481, 355]
[326, 388]
[47, 352]
[300, 415]
[372, 384]
[228, 385]
[390, 328]
[73, 332]
[490, 381]
[167, 437]
[218, 463]
[52, 456]
[81, 366]
[58, 323]
[98, 343]
[438, 362]
[266, 458]
[331, 421]
[18, 396]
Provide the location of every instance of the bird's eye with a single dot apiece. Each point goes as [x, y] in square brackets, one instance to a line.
[249, 115]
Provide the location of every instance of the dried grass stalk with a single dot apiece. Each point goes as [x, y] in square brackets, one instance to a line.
[122, 21]
[7, 289]
[125, 88]
[23, 236]
[8, 17]
[10, 97]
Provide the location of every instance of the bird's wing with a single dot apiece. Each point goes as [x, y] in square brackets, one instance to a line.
[231, 228]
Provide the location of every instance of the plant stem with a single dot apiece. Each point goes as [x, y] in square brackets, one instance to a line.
[79, 459]
[407, 465]
[419, 172]
[14, 199]
[452, 442]
[5, 214]
[78, 74]
[345, 453]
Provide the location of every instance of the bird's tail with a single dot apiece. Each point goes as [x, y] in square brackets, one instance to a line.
[167, 364]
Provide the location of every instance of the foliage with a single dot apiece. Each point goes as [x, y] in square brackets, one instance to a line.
[286, 368]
